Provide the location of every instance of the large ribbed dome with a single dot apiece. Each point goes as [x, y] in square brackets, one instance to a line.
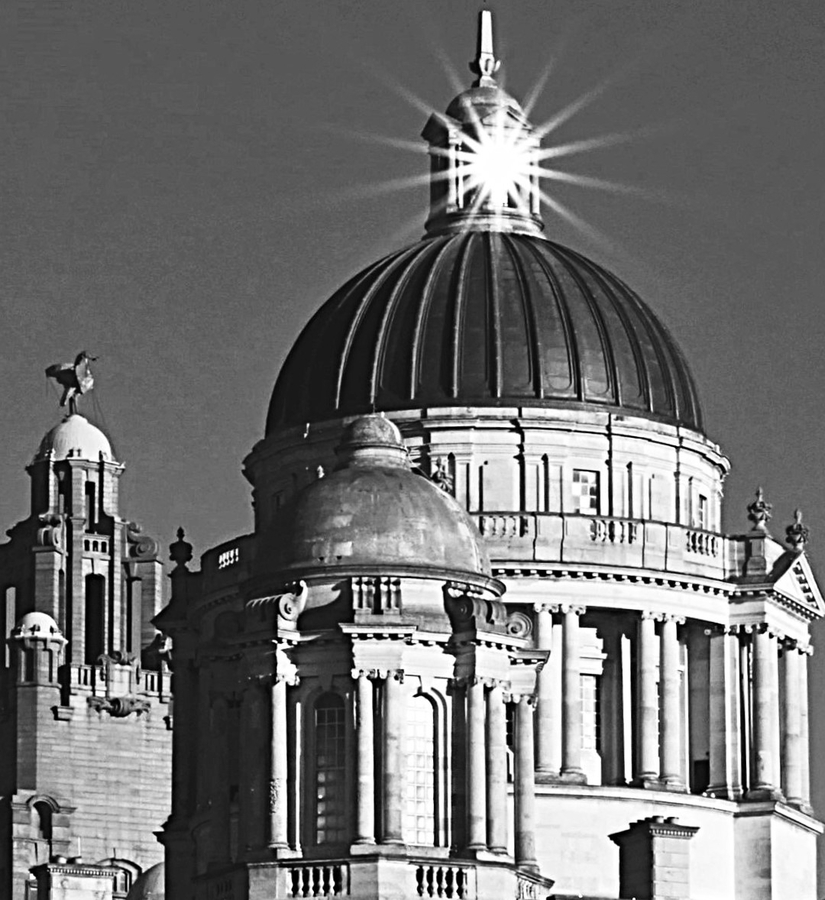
[484, 318]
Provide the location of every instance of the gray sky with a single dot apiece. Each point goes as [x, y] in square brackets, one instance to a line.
[182, 184]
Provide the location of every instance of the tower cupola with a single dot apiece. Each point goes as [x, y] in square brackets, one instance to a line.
[484, 155]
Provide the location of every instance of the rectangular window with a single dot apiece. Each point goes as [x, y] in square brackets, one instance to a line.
[702, 513]
[330, 770]
[590, 712]
[585, 492]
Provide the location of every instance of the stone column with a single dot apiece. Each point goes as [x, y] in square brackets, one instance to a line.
[792, 662]
[671, 705]
[765, 777]
[476, 767]
[547, 709]
[393, 780]
[219, 787]
[525, 786]
[278, 820]
[496, 770]
[365, 758]
[648, 699]
[571, 751]
[253, 770]
[805, 749]
[725, 779]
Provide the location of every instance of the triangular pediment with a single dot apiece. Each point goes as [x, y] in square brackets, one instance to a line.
[798, 583]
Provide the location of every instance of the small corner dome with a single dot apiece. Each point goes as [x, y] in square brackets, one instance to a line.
[373, 513]
[75, 438]
[150, 885]
[36, 624]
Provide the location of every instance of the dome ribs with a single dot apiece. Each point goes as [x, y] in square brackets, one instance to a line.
[662, 346]
[493, 308]
[347, 360]
[612, 291]
[589, 355]
[487, 319]
[422, 314]
[574, 361]
[297, 398]
[458, 292]
[413, 265]
[534, 342]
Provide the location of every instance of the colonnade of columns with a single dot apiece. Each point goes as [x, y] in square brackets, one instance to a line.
[757, 729]
[483, 708]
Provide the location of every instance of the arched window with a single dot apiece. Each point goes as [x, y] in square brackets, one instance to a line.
[419, 766]
[95, 631]
[43, 820]
[330, 770]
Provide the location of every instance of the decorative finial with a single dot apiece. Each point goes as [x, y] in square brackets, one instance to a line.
[180, 552]
[759, 512]
[76, 379]
[485, 65]
[441, 477]
[796, 535]
[319, 472]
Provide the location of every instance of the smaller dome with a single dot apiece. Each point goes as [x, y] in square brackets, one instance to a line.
[373, 513]
[75, 438]
[36, 624]
[477, 103]
[150, 885]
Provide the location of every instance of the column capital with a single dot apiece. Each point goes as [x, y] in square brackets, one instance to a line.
[672, 617]
[388, 674]
[372, 674]
[565, 608]
[649, 614]
[292, 679]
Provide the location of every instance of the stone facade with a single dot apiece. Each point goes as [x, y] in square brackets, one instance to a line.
[86, 718]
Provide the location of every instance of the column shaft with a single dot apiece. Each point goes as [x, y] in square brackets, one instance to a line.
[765, 777]
[496, 771]
[792, 727]
[525, 787]
[547, 711]
[671, 706]
[724, 777]
[393, 807]
[476, 774]
[571, 699]
[278, 819]
[648, 735]
[365, 741]
[805, 749]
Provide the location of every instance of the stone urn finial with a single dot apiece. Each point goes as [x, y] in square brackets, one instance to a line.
[759, 512]
[796, 534]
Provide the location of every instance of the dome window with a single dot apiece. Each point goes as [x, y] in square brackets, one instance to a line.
[586, 492]
[419, 764]
[331, 816]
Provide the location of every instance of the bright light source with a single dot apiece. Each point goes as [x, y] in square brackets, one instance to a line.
[497, 165]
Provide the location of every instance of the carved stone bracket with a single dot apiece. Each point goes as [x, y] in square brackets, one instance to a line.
[141, 546]
[51, 534]
[120, 707]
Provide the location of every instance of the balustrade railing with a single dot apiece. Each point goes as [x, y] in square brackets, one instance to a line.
[614, 531]
[448, 881]
[318, 880]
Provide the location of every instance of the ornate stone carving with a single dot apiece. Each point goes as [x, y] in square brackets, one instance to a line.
[141, 546]
[519, 625]
[120, 707]
[759, 512]
[180, 552]
[51, 534]
[290, 605]
[441, 477]
[796, 534]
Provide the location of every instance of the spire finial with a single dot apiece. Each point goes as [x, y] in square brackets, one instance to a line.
[485, 65]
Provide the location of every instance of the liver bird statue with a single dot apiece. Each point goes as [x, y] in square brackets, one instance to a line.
[76, 379]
